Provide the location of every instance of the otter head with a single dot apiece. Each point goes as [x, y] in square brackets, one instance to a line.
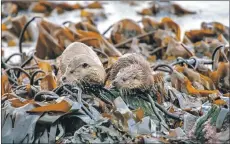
[83, 69]
[133, 77]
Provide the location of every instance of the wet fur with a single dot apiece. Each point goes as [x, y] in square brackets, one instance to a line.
[131, 71]
[79, 63]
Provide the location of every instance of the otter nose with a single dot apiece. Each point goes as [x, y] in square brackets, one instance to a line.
[114, 83]
[63, 78]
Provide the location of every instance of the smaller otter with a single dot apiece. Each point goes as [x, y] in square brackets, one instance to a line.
[79, 63]
[131, 71]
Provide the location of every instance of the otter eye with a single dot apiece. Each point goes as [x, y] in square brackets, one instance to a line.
[84, 65]
[72, 71]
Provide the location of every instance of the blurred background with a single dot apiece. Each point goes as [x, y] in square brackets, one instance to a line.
[206, 11]
[113, 11]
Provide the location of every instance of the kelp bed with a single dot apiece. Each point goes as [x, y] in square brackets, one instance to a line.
[189, 102]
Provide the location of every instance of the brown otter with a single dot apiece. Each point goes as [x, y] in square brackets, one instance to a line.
[131, 71]
[79, 63]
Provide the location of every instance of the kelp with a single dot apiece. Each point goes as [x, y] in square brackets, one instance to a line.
[125, 29]
[12, 29]
[9, 9]
[60, 107]
[48, 7]
[95, 5]
[217, 28]
[198, 35]
[169, 7]
[168, 23]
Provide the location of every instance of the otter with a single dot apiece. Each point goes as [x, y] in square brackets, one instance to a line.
[79, 63]
[130, 72]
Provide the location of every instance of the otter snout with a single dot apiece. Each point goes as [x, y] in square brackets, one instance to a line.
[114, 83]
[63, 78]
